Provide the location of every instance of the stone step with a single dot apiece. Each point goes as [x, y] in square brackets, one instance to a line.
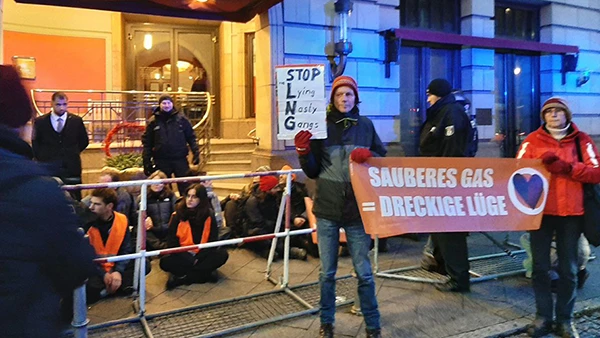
[227, 155]
[234, 165]
[218, 144]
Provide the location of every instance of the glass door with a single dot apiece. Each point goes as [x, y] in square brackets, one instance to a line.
[517, 100]
[164, 58]
[418, 66]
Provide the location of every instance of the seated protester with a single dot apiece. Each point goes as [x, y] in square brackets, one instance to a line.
[224, 232]
[160, 204]
[125, 201]
[193, 223]
[110, 236]
[233, 205]
[260, 213]
[300, 215]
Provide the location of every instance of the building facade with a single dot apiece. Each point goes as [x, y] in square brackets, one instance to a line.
[506, 56]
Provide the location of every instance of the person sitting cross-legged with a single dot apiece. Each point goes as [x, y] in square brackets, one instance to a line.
[110, 236]
[193, 222]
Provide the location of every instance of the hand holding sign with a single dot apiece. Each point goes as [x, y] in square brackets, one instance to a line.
[555, 165]
[302, 142]
[360, 155]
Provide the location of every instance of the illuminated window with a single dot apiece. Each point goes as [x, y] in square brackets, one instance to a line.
[438, 15]
[520, 23]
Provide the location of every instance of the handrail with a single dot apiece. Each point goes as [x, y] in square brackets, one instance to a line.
[209, 98]
[102, 110]
[256, 139]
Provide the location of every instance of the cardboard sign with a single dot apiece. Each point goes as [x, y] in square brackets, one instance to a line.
[422, 195]
[301, 100]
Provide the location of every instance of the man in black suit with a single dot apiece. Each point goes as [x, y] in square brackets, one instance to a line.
[58, 139]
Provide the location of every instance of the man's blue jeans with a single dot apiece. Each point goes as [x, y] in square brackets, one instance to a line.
[328, 233]
[567, 230]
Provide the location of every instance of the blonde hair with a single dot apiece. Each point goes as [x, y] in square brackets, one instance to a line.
[158, 174]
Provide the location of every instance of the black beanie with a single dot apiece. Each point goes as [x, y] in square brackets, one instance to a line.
[15, 106]
[439, 87]
[165, 97]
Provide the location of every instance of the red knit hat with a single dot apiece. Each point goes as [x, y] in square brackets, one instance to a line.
[15, 106]
[557, 102]
[267, 183]
[347, 81]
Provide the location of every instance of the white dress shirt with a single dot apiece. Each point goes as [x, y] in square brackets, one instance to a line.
[54, 120]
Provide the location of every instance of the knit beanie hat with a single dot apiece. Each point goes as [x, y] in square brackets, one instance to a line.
[347, 81]
[165, 97]
[267, 183]
[287, 167]
[439, 87]
[557, 102]
[15, 106]
[260, 169]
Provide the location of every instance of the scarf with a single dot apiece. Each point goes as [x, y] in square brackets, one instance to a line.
[345, 119]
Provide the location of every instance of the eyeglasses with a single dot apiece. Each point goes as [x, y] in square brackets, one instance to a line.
[554, 110]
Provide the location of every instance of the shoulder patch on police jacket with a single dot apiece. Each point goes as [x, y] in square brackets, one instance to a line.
[450, 130]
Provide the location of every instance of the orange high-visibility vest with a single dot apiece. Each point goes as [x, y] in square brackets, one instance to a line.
[184, 233]
[114, 241]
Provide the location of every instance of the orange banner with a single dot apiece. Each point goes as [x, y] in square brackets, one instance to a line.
[398, 195]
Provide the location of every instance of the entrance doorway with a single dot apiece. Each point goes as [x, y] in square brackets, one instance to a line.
[420, 65]
[517, 100]
[165, 58]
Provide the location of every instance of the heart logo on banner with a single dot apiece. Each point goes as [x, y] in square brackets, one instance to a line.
[530, 189]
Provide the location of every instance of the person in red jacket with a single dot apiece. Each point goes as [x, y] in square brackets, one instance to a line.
[556, 142]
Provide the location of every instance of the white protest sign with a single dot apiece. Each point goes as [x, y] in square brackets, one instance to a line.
[301, 100]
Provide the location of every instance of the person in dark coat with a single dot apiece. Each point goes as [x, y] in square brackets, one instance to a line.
[42, 255]
[160, 204]
[193, 223]
[445, 133]
[58, 139]
[166, 140]
[349, 136]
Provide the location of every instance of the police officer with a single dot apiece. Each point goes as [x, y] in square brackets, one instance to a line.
[445, 134]
[166, 140]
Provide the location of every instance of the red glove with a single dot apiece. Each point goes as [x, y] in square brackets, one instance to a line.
[360, 155]
[302, 142]
[559, 167]
[549, 157]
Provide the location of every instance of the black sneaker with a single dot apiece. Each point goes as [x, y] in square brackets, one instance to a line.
[373, 333]
[175, 281]
[298, 253]
[326, 331]
[582, 276]
[453, 286]
[566, 330]
[539, 327]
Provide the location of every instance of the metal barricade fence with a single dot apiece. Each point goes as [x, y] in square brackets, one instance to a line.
[80, 320]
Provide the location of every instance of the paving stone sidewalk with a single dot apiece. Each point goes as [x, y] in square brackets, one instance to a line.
[495, 308]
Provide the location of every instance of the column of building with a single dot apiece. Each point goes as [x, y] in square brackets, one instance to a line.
[1, 30]
[573, 24]
[477, 64]
[303, 32]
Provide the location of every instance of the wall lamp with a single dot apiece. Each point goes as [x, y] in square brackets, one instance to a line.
[569, 64]
[343, 47]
